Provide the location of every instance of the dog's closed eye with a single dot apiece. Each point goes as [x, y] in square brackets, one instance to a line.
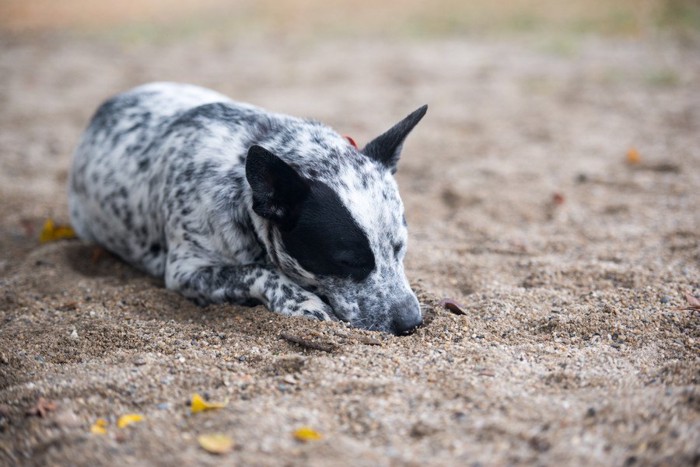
[355, 261]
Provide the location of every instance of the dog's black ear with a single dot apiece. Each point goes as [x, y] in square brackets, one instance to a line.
[278, 190]
[386, 148]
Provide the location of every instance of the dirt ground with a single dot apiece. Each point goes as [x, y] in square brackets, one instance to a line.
[572, 265]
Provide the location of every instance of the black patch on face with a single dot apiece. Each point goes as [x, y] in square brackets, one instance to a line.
[326, 240]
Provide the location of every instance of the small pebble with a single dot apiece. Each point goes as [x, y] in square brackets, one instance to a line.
[665, 299]
[67, 419]
[74, 335]
[5, 411]
[163, 406]
[138, 361]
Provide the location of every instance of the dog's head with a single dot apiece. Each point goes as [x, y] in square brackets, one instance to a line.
[337, 226]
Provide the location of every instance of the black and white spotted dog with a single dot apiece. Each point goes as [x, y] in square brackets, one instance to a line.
[231, 203]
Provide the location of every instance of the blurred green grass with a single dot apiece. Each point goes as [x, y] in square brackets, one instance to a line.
[161, 20]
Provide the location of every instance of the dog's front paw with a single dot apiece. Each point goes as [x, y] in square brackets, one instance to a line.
[317, 309]
[303, 303]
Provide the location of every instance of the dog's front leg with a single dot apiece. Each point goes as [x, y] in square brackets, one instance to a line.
[207, 283]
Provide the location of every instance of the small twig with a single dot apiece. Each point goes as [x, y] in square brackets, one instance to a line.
[368, 340]
[313, 345]
[355, 338]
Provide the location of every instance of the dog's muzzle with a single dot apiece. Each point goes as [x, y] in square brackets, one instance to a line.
[405, 316]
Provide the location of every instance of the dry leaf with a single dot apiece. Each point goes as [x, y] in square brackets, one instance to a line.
[306, 433]
[633, 157]
[51, 232]
[452, 306]
[42, 407]
[693, 301]
[351, 141]
[97, 254]
[99, 427]
[128, 419]
[215, 443]
[200, 405]
[558, 198]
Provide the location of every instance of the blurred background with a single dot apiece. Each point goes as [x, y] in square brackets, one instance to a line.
[139, 20]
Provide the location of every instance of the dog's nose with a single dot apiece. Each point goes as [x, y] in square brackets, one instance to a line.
[406, 316]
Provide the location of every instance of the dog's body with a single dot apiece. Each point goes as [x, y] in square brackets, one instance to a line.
[229, 202]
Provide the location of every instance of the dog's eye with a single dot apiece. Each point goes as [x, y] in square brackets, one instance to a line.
[354, 260]
[353, 263]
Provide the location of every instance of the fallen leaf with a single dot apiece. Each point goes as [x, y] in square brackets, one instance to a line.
[42, 407]
[351, 141]
[558, 198]
[215, 443]
[693, 301]
[306, 434]
[97, 254]
[128, 419]
[200, 405]
[51, 232]
[99, 427]
[452, 306]
[633, 157]
[28, 227]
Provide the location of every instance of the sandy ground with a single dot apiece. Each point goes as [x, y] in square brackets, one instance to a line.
[571, 265]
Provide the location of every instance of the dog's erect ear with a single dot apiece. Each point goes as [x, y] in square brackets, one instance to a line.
[386, 148]
[278, 190]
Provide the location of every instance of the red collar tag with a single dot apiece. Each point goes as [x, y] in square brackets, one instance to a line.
[351, 141]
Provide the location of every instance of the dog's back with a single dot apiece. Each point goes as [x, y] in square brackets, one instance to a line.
[111, 184]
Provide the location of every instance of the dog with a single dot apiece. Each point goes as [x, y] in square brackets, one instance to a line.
[231, 203]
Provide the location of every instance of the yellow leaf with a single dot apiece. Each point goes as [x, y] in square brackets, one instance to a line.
[215, 443]
[128, 419]
[51, 232]
[306, 433]
[633, 157]
[99, 427]
[200, 405]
